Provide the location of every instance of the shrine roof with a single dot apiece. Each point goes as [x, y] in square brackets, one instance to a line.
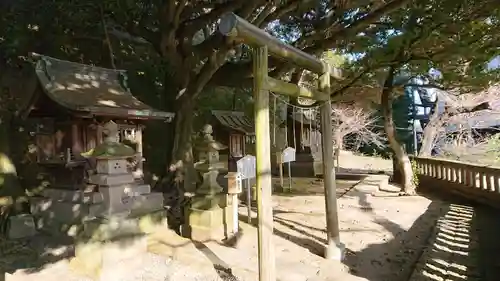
[235, 120]
[92, 90]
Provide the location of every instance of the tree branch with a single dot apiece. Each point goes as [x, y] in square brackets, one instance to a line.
[190, 27]
[342, 32]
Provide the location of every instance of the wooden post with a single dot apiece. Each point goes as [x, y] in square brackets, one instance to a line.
[267, 270]
[280, 165]
[249, 201]
[138, 141]
[334, 248]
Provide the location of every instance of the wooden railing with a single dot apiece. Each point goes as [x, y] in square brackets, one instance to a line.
[475, 182]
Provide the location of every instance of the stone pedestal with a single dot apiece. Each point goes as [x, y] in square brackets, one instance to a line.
[208, 218]
[105, 242]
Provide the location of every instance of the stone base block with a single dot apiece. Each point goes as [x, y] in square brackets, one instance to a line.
[145, 222]
[21, 226]
[204, 234]
[91, 257]
[66, 212]
[108, 228]
[121, 225]
[116, 201]
[138, 189]
[206, 225]
[56, 228]
[150, 202]
[77, 196]
[104, 242]
[205, 202]
[111, 180]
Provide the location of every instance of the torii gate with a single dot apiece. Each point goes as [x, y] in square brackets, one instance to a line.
[235, 27]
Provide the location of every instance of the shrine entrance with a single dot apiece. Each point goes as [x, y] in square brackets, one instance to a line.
[241, 31]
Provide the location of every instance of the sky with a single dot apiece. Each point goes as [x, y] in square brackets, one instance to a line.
[494, 63]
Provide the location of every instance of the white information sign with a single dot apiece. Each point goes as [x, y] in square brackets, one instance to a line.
[288, 155]
[246, 166]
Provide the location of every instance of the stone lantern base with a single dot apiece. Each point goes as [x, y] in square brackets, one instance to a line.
[208, 218]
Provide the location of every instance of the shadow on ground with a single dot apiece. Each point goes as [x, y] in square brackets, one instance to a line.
[464, 245]
[452, 240]
[393, 260]
[33, 254]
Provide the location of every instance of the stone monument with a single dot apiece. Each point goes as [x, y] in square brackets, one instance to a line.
[208, 217]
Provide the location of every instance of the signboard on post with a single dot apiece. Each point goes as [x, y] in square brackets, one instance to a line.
[233, 188]
[247, 167]
[288, 155]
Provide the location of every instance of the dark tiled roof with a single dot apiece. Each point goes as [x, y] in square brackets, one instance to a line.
[93, 90]
[235, 120]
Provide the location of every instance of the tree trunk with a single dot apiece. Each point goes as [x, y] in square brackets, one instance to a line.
[182, 150]
[399, 153]
[179, 175]
[11, 193]
[430, 133]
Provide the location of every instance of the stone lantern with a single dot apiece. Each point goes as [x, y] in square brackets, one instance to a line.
[120, 192]
[208, 215]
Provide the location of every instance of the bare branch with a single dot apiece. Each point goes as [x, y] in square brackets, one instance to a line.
[357, 122]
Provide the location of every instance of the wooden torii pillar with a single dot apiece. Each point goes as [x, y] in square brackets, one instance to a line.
[242, 31]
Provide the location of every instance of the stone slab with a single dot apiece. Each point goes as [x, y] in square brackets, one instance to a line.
[56, 228]
[148, 202]
[117, 201]
[64, 211]
[79, 196]
[146, 222]
[111, 180]
[132, 224]
[137, 189]
[21, 226]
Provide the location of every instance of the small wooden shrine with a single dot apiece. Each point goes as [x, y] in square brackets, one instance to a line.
[68, 109]
[235, 130]
[303, 134]
[304, 131]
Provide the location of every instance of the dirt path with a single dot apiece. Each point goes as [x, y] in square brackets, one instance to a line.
[384, 236]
